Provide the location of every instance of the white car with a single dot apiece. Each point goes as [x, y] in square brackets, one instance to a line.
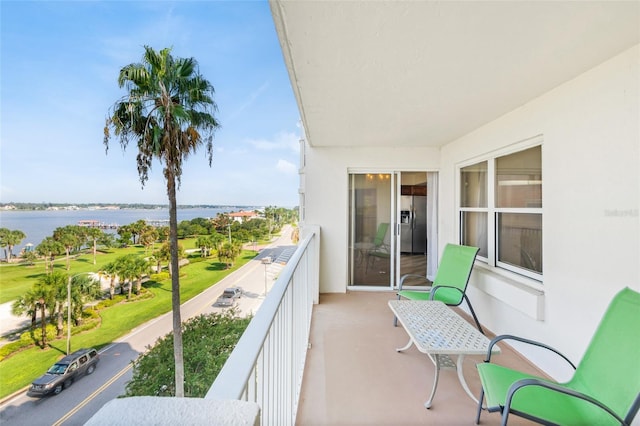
[229, 296]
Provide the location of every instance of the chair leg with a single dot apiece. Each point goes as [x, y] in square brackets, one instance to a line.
[505, 416]
[473, 314]
[395, 318]
[480, 400]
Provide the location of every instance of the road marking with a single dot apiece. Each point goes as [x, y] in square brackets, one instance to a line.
[93, 395]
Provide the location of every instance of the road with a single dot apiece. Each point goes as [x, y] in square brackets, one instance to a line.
[76, 404]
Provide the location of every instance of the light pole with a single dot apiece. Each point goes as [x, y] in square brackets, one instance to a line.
[265, 261]
[71, 277]
[229, 226]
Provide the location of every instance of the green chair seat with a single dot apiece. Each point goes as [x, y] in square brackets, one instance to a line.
[451, 298]
[450, 284]
[604, 389]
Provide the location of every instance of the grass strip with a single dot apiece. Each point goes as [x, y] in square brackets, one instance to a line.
[19, 370]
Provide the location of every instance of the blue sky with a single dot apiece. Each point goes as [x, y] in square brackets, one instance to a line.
[59, 66]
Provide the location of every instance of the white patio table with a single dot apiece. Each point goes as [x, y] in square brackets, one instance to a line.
[439, 332]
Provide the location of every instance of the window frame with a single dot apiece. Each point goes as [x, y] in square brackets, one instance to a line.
[493, 212]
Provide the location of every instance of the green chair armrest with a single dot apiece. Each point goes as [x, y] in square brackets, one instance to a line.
[527, 341]
[434, 289]
[523, 383]
[402, 278]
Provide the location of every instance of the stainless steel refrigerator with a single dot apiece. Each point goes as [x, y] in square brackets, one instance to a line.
[413, 224]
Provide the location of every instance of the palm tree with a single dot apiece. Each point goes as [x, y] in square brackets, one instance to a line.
[205, 243]
[148, 237]
[111, 269]
[141, 268]
[94, 235]
[10, 239]
[136, 229]
[50, 292]
[48, 248]
[41, 293]
[126, 270]
[27, 304]
[84, 288]
[57, 282]
[168, 113]
[71, 237]
[162, 255]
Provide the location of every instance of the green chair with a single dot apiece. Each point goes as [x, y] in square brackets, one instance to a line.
[604, 389]
[380, 249]
[450, 283]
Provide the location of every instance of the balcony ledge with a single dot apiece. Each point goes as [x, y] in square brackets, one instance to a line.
[172, 411]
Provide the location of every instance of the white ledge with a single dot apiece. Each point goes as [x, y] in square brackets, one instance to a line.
[155, 410]
[516, 291]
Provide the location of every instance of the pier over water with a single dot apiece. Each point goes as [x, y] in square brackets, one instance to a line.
[103, 225]
[97, 224]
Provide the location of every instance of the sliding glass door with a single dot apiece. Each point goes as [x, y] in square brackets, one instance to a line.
[392, 227]
[371, 230]
[412, 224]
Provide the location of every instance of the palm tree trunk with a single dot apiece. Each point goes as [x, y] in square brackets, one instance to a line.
[175, 286]
[43, 322]
[112, 286]
[60, 324]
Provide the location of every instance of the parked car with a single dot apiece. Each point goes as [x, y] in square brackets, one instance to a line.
[229, 296]
[64, 372]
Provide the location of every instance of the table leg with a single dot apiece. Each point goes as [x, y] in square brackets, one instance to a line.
[463, 382]
[436, 363]
[405, 347]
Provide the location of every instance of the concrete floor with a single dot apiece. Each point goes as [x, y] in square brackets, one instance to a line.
[354, 376]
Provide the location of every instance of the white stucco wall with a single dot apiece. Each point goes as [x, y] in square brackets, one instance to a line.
[590, 128]
[326, 197]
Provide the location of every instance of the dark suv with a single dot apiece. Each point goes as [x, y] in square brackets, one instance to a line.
[64, 372]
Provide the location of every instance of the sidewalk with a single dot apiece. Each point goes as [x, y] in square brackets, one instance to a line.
[10, 323]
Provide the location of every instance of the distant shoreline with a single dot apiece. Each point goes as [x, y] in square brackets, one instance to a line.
[113, 206]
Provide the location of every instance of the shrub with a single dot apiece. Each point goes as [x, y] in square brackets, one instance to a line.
[25, 341]
[208, 341]
[160, 276]
[91, 320]
[110, 302]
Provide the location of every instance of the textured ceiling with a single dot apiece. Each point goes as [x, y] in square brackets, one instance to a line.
[423, 73]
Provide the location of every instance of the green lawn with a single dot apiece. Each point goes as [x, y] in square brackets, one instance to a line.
[16, 278]
[20, 369]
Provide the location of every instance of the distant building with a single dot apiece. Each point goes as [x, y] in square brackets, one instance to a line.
[243, 216]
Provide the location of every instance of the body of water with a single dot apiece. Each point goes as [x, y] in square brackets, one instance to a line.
[37, 225]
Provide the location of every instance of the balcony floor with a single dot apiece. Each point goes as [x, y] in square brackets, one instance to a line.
[354, 376]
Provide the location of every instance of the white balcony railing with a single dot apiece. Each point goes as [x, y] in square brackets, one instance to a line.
[267, 364]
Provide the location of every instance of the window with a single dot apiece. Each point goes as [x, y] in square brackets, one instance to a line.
[473, 206]
[501, 210]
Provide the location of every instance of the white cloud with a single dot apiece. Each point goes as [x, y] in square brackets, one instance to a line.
[283, 140]
[286, 167]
